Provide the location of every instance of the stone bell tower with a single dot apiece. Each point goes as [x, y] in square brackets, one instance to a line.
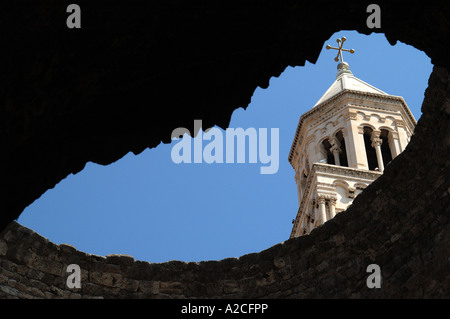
[343, 144]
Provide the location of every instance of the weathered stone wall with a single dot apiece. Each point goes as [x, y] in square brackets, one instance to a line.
[64, 107]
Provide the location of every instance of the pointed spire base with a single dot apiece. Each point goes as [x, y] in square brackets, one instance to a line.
[343, 68]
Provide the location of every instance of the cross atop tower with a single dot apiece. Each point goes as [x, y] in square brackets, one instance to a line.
[340, 49]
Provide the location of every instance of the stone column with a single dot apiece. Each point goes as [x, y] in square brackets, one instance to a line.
[332, 204]
[322, 210]
[336, 150]
[376, 143]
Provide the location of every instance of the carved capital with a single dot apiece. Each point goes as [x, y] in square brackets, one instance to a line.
[334, 141]
[375, 134]
[376, 142]
[325, 198]
[375, 137]
[335, 149]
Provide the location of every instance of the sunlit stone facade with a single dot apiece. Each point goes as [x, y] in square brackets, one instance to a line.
[343, 144]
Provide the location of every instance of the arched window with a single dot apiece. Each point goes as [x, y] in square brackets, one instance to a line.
[343, 154]
[333, 150]
[329, 156]
[370, 151]
[385, 147]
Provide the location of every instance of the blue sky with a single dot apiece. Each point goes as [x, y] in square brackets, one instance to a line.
[150, 208]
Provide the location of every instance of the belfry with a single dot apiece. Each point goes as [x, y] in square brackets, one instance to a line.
[343, 144]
